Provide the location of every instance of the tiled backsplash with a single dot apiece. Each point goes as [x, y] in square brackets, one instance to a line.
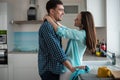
[26, 41]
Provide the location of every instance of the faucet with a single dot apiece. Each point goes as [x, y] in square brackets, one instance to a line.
[113, 57]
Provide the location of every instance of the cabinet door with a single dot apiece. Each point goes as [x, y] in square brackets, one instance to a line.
[3, 16]
[3, 73]
[26, 73]
[98, 9]
[23, 66]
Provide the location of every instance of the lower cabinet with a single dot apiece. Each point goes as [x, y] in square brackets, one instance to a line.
[23, 66]
[3, 72]
[25, 74]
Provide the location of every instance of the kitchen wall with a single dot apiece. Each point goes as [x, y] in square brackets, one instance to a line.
[20, 8]
[101, 33]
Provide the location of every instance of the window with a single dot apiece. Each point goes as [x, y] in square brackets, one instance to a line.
[71, 9]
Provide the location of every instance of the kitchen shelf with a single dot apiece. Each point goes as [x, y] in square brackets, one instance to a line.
[28, 22]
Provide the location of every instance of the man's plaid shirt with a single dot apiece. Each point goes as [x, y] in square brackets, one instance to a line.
[51, 55]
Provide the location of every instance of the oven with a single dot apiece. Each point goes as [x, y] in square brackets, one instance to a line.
[3, 38]
[3, 47]
[3, 57]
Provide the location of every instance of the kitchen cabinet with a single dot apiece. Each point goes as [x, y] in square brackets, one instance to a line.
[5, 15]
[23, 66]
[3, 72]
[5, 18]
[98, 9]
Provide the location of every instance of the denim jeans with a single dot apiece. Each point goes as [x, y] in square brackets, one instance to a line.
[49, 76]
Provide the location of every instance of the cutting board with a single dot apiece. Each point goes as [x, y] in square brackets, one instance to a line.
[116, 74]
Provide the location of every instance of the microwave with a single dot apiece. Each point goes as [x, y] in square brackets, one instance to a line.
[3, 39]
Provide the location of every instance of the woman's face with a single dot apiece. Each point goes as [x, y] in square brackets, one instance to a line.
[78, 21]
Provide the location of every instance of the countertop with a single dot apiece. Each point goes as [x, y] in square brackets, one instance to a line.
[86, 57]
[17, 52]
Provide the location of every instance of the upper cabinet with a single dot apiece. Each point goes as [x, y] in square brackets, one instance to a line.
[3, 16]
[98, 9]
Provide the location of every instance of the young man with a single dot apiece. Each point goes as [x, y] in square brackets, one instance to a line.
[51, 57]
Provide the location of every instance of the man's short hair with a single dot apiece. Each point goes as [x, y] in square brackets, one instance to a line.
[52, 4]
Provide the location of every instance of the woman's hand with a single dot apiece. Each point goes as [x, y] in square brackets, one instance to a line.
[51, 21]
[48, 18]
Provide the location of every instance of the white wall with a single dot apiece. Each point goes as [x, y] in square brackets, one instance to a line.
[113, 23]
[20, 8]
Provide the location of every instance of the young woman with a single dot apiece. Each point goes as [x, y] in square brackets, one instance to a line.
[79, 40]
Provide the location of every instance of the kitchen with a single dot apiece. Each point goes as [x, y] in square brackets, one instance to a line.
[22, 59]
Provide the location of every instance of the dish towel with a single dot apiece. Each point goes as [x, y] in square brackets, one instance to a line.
[74, 75]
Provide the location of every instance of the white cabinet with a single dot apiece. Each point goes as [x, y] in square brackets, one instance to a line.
[23, 66]
[98, 9]
[3, 16]
[3, 72]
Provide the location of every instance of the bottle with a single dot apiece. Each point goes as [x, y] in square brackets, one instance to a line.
[98, 45]
[103, 47]
[98, 53]
[32, 11]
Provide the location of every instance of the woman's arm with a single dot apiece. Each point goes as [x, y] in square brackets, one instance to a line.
[54, 24]
[66, 32]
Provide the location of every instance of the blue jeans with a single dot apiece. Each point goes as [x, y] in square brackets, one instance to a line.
[49, 76]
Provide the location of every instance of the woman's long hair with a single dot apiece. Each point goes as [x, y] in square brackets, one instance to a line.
[87, 22]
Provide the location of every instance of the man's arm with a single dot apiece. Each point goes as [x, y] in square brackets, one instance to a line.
[69, 66]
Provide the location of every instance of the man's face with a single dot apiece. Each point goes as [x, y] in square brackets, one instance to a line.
[58, 12]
